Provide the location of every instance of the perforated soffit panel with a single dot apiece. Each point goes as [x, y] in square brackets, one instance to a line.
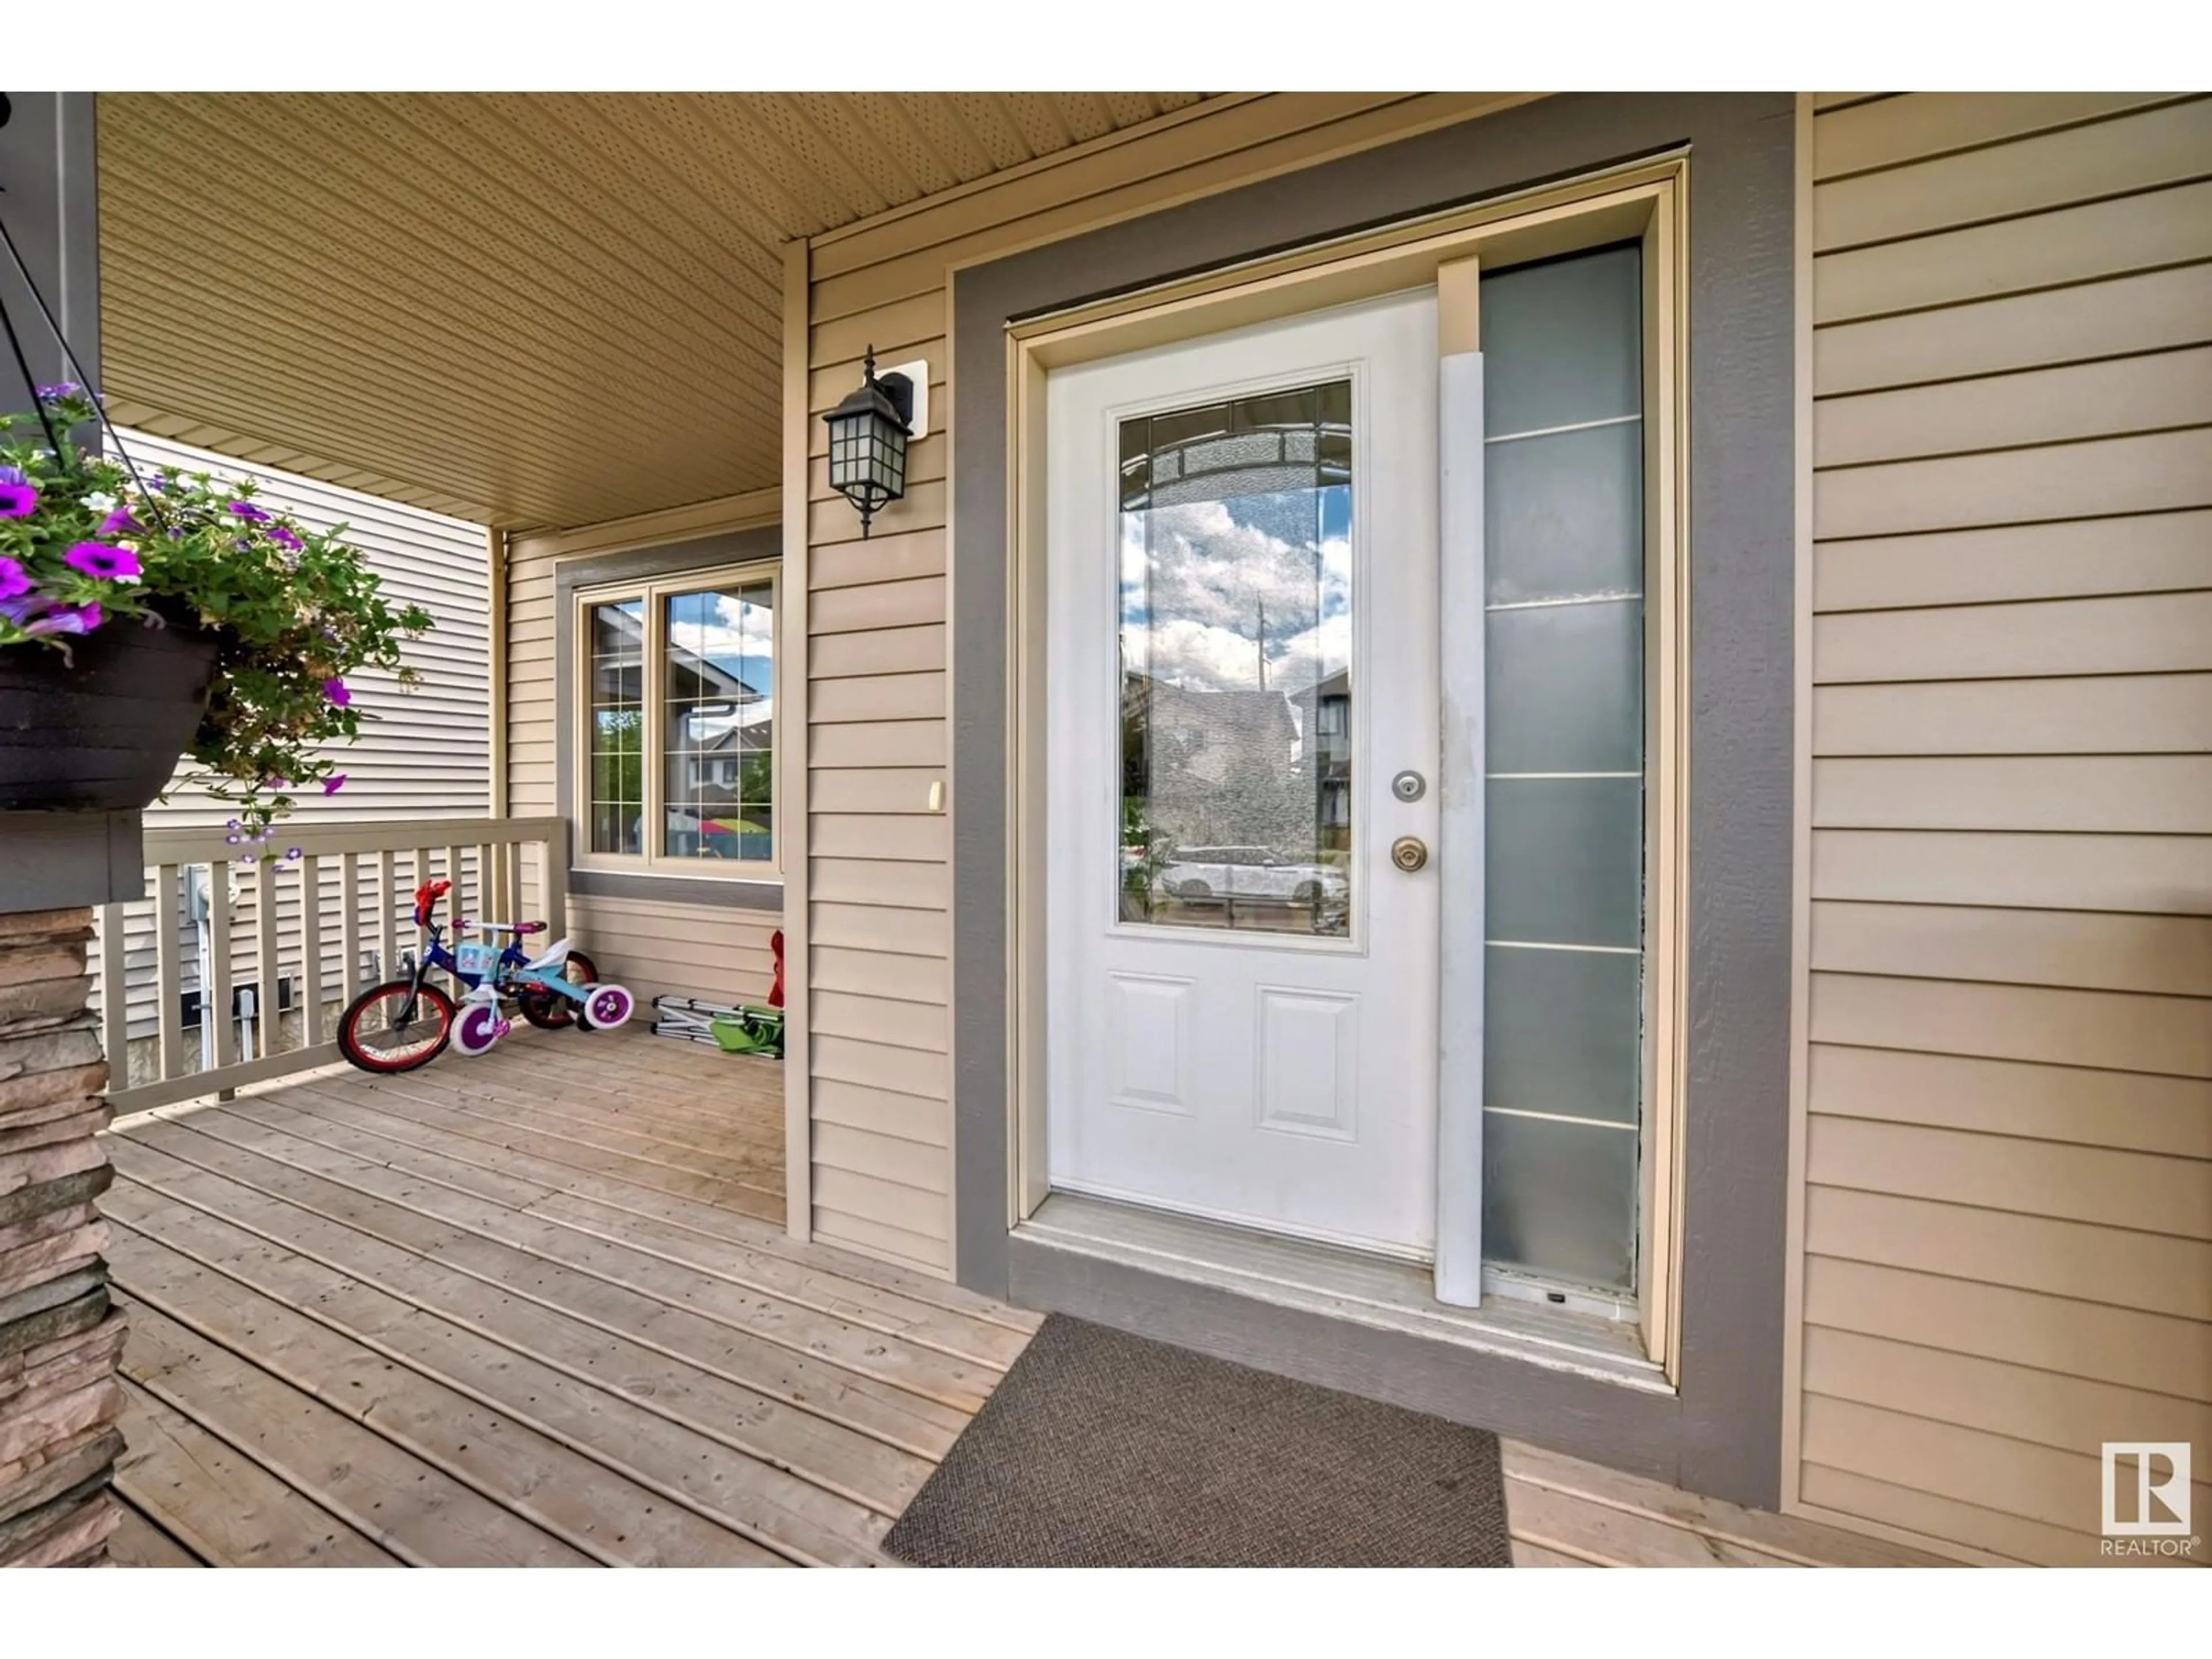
[521, 309]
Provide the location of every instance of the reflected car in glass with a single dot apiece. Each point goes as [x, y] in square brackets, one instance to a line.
[1252, 872]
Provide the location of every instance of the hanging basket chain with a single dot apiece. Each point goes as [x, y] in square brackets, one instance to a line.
[70, 357]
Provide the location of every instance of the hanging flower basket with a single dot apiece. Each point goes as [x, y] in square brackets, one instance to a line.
[101, 730]
[147, 615]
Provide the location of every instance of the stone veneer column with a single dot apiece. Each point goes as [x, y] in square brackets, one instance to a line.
[59, 1336]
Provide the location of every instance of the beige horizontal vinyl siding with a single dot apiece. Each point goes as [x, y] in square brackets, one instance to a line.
[2008, 1154]
[709, 952]
[879, 734]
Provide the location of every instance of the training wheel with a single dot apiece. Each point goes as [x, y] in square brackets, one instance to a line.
[605, 1007]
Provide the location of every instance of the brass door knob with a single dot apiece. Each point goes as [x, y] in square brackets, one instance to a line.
[1409, 852]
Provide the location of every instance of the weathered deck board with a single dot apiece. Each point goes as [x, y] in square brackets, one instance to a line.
[519, 1463]
[442, 1265]
[567, 1333]
[539, 1307]
[137, 1542]
[981, 1343]
[390, 1118]
[506, 1247]
[201, 1500]
[1568, 1484]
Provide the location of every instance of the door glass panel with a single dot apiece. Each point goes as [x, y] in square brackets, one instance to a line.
[1556, 1196]
[719, 755]
[1236, 599]
[617, 633]
[1565, 839]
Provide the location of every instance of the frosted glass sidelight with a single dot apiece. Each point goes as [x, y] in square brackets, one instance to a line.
[1563, 514]
[1559, 340]
[1563, 552]
[1565, 689]
[1566, 861]
[1558, 1199]
[1563, 1027]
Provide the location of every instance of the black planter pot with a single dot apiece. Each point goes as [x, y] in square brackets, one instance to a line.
[101, 733]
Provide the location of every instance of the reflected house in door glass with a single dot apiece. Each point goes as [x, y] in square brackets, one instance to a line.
[1235, 590]
[1325, 716]
[1200, 743]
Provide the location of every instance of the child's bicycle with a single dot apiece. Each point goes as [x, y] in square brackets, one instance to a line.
[541, 987]
[406, 1022]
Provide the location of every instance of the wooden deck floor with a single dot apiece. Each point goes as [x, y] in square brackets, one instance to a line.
[538, 1309]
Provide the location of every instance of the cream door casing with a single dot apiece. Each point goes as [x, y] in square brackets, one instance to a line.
[1279, 1080]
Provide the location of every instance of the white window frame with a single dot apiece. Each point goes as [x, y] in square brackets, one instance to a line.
[652, 592]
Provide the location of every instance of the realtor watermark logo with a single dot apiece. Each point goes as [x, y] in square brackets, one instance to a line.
[2147, 1499]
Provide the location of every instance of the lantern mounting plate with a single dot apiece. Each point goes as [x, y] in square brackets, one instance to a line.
[917, 379]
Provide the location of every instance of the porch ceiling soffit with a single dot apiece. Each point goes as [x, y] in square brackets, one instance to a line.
[523, 309]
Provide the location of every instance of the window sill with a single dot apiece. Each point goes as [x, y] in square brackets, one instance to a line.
[723, 892]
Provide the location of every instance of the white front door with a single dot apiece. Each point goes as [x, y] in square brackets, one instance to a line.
[1242, 590]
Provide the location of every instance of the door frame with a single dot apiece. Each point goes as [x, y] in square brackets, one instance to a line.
[1647, 201]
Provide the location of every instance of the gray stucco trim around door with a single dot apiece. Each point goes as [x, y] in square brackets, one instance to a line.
[1721, 1433]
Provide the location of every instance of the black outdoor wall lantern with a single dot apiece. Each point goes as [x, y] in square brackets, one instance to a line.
[867, 441]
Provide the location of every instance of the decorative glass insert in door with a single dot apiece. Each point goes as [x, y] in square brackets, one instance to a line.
[1564, 541]
[1237, 738]
[719, 709]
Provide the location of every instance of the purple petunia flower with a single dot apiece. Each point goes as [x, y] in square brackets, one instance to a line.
[284, 537]
[24, 606]
[120, 523]
[60, 389]
[291, 853]
[100, 562]
[336, 692]
[333, 783]
[14, 580]
[12, 474]
[250, 513]
[18, 500]
[67, 619]
[247, 858]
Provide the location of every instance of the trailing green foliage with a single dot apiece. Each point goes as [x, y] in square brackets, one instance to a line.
[86, 543]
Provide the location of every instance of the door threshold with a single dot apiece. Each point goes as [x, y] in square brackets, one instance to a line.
[1336, 1283]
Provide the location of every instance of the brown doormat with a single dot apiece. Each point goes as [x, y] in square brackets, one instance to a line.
[1104, 1450]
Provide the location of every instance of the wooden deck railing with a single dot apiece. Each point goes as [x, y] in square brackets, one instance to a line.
[312, 931]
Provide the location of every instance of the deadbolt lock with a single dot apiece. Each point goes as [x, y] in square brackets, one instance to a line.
[1409, 854]
[1409, 785]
